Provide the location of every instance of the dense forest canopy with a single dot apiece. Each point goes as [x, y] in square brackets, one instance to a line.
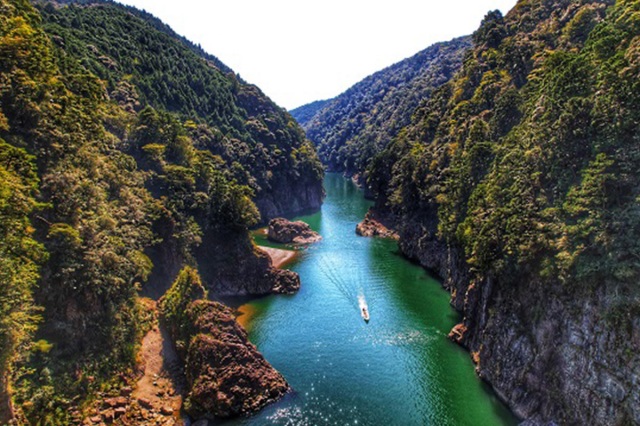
[143, 63]
[531, 157]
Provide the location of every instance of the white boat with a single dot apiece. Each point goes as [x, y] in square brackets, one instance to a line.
[365, 314]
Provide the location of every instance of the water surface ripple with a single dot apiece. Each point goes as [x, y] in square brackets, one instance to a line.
[399, 369]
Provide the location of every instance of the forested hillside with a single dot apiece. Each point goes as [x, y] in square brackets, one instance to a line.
[143, 63]
[116, 171]
[356, 125]
[518, 182]
[305, 113]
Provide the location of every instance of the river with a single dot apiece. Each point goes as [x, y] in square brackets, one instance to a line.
[398, 369]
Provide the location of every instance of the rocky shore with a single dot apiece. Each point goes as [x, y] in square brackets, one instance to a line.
[548, 355]
[372, 226]
[225, 374]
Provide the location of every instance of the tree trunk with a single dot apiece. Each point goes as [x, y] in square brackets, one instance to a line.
[6, 406]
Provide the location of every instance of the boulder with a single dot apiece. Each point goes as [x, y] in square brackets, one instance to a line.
[286, 282]
[372, 226]
[284, 231]
[145, 403]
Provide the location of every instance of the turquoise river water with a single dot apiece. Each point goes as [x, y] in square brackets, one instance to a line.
[399, 369]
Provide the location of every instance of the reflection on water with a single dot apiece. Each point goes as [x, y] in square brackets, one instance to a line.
[398, 369]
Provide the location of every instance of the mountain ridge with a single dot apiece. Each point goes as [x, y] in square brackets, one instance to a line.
[353, 127]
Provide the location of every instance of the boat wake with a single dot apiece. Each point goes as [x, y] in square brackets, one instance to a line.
[330, 269]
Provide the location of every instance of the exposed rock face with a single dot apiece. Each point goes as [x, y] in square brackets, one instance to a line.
[290, 198]
[372, 226]
[549, 318]
[287, 282]
[226, 374]
[241, 268]
[284, 231]
[546, 351]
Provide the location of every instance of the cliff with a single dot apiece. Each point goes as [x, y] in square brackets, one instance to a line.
[515, 183]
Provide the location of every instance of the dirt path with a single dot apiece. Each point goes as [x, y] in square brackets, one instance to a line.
[158, 392]
[156, 399]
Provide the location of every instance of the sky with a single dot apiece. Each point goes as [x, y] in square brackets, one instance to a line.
[299, 51]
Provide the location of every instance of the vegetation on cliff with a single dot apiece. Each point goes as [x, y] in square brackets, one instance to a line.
[305, 113]
[531, 158]
[225, 373]
[20, 258]
[108, 188]
[527, 161]
[352, 128]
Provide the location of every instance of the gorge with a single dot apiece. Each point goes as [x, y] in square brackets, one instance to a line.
[400, 368]
[501, 281]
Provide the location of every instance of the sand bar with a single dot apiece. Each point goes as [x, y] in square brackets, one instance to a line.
[279, 257]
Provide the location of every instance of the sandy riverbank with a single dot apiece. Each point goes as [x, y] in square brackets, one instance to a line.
[279, 257]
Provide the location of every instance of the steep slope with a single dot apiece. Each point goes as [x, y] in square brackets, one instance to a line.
[518, 183]
[102, 198]
[356, 125]
[143, 63]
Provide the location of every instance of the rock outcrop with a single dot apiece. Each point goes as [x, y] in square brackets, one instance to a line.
[372, 226]
[241, 268]
[225, 372]
[286, 282]
[226, 375]
[548, 353]
[291, 198]
[284, 231]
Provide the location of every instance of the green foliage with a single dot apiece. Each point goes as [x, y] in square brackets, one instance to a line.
[352, 128]
[530, 163]
[173, 305]
[491, 31]
[305, 113]
[144, 64]
[20, 258]
[138, 142]
[196, 185]
[42, 346]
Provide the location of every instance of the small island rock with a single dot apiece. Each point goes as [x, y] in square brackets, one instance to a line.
[284, 231]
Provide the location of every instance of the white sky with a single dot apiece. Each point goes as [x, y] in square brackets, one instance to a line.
[300, 51]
